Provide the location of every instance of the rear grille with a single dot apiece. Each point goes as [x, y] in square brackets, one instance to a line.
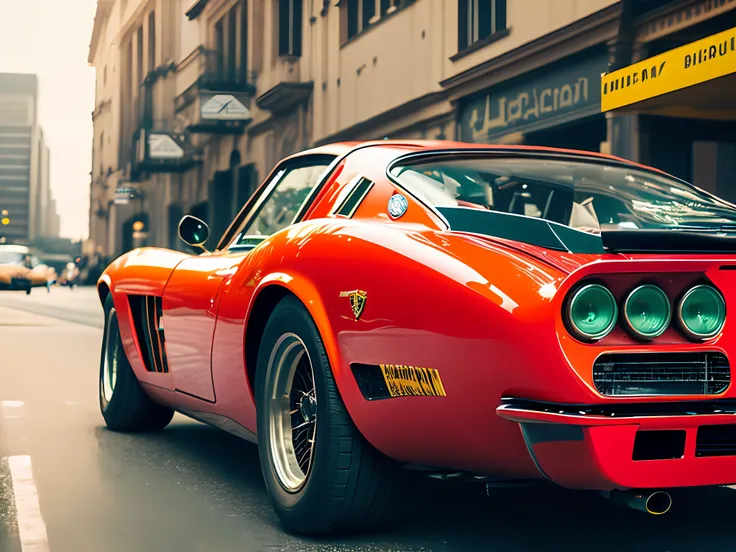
[716, 440]
[700, 373]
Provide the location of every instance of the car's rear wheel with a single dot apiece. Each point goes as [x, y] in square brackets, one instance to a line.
[321, 474]
[123, 403]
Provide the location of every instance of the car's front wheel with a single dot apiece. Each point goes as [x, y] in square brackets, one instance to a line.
[321, 474]
[123, 403]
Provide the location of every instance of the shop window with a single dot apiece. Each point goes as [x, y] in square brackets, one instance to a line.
[290, 28]
[479, 21]
[361, 14]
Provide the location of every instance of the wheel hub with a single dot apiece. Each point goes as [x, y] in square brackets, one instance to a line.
[292, 412]
[308, 408]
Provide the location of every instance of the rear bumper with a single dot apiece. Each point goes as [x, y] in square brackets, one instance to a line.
[593, 447]
[16, 284]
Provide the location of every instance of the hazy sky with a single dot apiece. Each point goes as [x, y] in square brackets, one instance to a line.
[51, 38]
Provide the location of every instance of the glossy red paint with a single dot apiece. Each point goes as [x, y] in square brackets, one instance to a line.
[486, 313]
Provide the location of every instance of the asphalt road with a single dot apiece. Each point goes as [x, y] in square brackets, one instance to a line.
[69, 485]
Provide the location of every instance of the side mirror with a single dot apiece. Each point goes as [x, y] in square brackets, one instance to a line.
[193, 231]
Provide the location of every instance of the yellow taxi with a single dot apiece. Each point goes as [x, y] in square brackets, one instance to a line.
[21, 270]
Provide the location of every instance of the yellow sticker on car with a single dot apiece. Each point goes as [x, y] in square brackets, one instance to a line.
[412, 381]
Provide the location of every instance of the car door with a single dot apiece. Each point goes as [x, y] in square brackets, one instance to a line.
[192, 295]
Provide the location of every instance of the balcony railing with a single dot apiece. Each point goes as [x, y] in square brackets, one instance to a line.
[219, 76]
[220, 97]
[154, 145]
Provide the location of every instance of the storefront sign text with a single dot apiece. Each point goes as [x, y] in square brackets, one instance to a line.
[701, 61]
[517, 107]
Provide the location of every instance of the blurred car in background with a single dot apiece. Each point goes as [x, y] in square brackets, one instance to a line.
[21, 270]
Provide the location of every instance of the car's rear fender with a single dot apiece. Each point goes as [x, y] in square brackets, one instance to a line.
[426, 307]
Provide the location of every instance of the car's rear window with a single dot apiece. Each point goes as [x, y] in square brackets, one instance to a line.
[586, 195]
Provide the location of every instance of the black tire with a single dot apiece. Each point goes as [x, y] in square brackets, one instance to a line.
[350, 486]
[128, 409]
[28, 290]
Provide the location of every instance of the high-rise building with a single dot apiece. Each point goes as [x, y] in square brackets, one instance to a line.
[18, 164]
[27, 210]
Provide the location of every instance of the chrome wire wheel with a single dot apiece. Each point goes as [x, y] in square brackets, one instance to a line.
[112, 354]
[292, 412]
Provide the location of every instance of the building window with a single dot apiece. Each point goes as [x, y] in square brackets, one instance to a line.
[361, 14]
[478, 20]
[290, 28]
[244, 40]
[139, 43]
[220, 46]
[232, 44]
[151, 41]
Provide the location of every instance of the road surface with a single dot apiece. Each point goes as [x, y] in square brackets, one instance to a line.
[69, 485]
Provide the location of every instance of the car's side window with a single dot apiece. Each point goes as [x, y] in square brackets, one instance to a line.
[292, 186]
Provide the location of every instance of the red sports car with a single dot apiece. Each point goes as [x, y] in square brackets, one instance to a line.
[505, 314]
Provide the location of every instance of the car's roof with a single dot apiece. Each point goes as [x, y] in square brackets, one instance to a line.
[14, 249]
[342, 148]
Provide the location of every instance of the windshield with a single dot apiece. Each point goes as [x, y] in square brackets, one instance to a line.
[584, 195]
[8, 257]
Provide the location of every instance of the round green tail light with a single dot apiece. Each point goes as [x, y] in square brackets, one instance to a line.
[592, 311]
[702, 312]
[647, 311]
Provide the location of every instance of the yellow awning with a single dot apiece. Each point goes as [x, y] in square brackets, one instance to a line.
[699, 61]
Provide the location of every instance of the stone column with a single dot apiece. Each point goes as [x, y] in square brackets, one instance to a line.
[626, 135]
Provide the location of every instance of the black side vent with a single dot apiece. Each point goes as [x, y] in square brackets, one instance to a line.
[355, 197]
[716, 440]
[147, 312]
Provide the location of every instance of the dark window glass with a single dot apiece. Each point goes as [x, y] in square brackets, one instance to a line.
[232, 44]
[369, 10]
[152, 41]
[220, 47]
[290, 27]
[479, 19]
[352, 18]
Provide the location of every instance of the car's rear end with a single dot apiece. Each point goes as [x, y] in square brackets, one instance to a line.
[650, 340]
[642, 322]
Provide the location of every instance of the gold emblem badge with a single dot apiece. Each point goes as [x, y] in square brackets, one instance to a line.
[357, 301]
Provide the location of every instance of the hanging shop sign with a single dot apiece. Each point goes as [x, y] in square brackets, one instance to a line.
[542, 99]
[124, 195]
[694, 63]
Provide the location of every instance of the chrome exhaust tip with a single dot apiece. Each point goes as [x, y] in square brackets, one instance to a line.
[656, 503]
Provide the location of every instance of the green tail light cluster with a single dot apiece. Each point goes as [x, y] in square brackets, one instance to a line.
[701, 313]
[592, 312]
[647, 311]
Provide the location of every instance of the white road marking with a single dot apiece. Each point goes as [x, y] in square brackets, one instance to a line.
[31, 527]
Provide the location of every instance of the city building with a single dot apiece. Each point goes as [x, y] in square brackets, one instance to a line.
[232, 86]
[27, 208]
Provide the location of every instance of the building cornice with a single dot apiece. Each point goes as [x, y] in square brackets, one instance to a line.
[104, 7]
